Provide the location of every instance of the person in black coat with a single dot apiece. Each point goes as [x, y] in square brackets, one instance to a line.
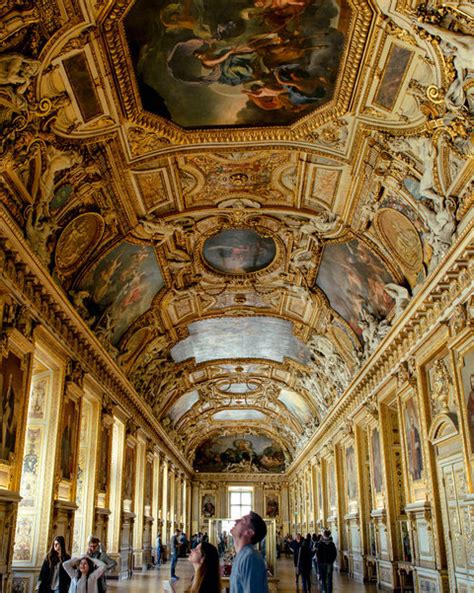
[295, 546]
[52, 576]
[304, 562]
[326, 553]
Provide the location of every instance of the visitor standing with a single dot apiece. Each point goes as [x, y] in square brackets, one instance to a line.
[326, 553]
[174, 545]
[85, 572]
[158, 550]
[249, 573]
[303, 566]
[96, 551]
[52, 576]
[205, 560]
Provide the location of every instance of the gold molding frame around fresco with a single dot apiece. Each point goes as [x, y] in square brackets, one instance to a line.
[361, 18]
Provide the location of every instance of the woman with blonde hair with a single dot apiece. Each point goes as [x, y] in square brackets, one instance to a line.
[205, 560]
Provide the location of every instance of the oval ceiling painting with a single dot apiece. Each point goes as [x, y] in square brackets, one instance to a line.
[239, 251]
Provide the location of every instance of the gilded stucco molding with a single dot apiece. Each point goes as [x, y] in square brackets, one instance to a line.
[49, 306]
[448, 286]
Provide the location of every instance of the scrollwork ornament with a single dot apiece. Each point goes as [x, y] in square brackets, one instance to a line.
[441, 385]
[405, 374]
[75, 373]
[458, 320]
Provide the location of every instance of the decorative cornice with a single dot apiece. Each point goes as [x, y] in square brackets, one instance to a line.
[448, 286]
[48, 305]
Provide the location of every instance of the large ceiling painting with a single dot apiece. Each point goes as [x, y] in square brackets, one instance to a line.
[241, 337]
[121, 287]
[202, 63]
[240, 453]
[352, 276]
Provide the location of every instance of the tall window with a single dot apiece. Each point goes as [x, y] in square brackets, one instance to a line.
[240, 501]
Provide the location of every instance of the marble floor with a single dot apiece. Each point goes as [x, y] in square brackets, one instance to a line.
[151, 581]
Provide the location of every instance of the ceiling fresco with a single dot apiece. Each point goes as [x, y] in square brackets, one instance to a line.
[245, 63]
[253, 337]
[353, 278]
[239, 199]
[240, 452]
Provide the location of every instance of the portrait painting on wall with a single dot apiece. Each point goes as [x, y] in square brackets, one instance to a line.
[247, 62]
[351, 275]
[272, 505]
[406, 543]
[331, 476]
[467, 374]
[320, 496]
[148, 482]
[11, 390]
[376, 461]
[121, 286]
[413, 440]
[68, 438]
[240, 453]
[372, 539]
[351, 473]
[239, 251]
[128, 471]
[208, 506]
[103, 478]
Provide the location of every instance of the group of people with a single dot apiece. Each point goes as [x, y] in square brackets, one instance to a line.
[249, 571]
[83, 574]
[316, 551]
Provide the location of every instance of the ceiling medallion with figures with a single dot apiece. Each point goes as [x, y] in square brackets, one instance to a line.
[238, 251]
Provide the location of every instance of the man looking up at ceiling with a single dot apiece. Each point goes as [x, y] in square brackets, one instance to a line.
[249, 573]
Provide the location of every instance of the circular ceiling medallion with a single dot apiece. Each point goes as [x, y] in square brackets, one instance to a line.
[239, 251]
[401, 236]
[78, 240]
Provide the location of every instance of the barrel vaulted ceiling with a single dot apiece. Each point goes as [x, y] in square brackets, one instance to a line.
[239, 198]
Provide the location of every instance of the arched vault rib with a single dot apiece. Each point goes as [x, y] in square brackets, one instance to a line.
[265, 397]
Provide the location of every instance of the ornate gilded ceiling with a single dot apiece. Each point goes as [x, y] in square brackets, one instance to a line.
[239, 199]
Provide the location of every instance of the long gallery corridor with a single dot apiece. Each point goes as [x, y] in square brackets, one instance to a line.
[152, 581]
[236, 274]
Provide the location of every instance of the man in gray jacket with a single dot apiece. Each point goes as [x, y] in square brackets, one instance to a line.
[95, 550]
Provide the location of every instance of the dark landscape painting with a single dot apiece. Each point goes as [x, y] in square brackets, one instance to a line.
[203, 63]
[240, 453]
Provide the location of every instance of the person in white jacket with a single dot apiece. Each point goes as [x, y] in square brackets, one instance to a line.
[85, 572]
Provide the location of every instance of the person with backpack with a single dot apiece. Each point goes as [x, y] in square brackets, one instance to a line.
[303, 564]
[326, 553]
